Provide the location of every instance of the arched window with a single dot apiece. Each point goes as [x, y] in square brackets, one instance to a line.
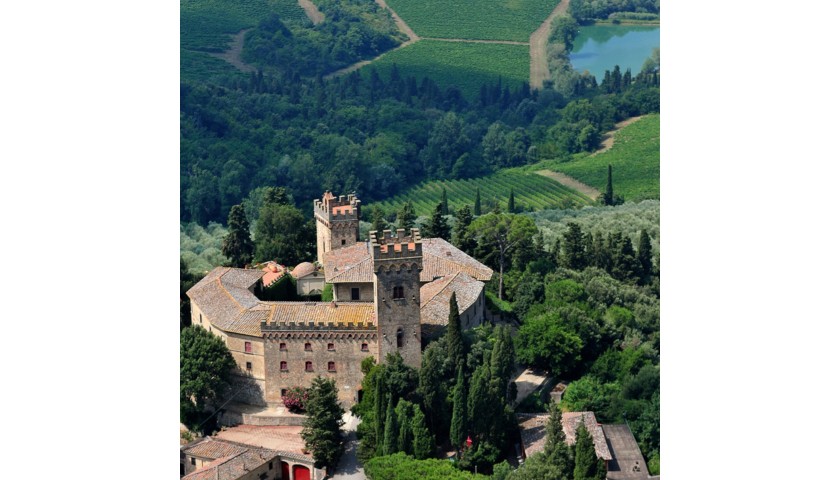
[330, 366]
[330, 346]
[399, 338]
[307, 347]
[309, 367]
[284, 366]
[282, 345]
[398, 292]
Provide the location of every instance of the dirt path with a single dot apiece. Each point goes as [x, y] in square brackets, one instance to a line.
[412, 37]
[466, 40]
[311, 11]
[570, 182]
[234, 54]
[539, 41]
[610, 140]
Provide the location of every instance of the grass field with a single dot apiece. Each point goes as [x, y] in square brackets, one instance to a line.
[475, 20]
[465, 65]
[531, 192]
[634, 158]
[206, 26]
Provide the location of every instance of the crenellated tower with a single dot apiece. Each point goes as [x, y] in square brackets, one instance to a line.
[397, 262]
[337, 222]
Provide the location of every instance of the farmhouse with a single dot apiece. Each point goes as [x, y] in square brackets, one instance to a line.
[391, 292]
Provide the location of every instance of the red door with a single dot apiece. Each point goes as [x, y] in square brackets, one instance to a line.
[302, 473]
[285, 468]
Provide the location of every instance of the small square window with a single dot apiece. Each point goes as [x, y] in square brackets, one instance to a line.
[309, 367]
[307, 347]
[248, 366]
[330, 366]
[398, 292]
[343, 242]
[247, 347]
[192, 460]
[283, 346]
[284, 366]
[283, 392]
[331, 347]
[364, 347]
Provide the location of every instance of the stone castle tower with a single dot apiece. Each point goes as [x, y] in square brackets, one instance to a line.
[337, 222]
[397, 262]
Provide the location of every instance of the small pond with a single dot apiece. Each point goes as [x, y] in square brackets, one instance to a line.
[601, 47]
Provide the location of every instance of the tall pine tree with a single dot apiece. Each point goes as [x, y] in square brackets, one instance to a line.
[438, 228]
[390, 440]
[322, 427]
[423, 444]
[511, 203]
[404, 411]
[645, 255]
[477, 210]
[407, 216]
[454, 337]
[574, 255]
[377, 220]
[587, 464]
[608, 194]
[445, 202]
[237, 245]
[462, 237]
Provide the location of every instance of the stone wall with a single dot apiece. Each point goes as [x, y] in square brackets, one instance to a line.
[342, 292]
[347, 355]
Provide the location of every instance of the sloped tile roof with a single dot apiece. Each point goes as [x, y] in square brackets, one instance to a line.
[320, 313]
[233, 467]
[283, 438]
[353, 264]
[434, 297]
[303, 268]
[213, 449]
[225, 299]
[532, 430]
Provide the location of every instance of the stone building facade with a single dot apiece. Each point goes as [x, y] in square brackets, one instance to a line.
[391, 293]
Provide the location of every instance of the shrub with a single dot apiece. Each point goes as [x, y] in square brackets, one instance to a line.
[295, 399]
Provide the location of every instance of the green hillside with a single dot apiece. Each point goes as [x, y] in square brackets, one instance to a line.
[485, 20]
[634, 158]
[465, 65]
[531, 192]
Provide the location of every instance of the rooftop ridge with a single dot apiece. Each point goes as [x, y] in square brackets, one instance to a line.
[451, 279]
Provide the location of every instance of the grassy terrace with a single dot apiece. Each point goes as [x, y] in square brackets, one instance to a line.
[475, 20]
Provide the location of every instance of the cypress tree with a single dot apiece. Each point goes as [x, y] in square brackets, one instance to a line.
[587, 464]
[423, 445]
[322, 427]
[454, 337]
[556, 450]
[407, 216]
[377, 220]
[404, 411]
[645, 254]
[237, 245]
[438, 228]
[574, 256]
[477, 402]
[390, 440]
[461, 237]
[511, 203]
[379, 411]
[608, 195]
[445, 202]
[501, 364]
[458, 427]
[477, 210]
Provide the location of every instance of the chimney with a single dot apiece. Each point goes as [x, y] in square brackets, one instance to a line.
[333, 305]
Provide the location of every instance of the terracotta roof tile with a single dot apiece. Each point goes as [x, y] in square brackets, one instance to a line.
[440, 258]
[213, 449]
[233, 467]
[355, 313]
[434, 297]
[284, 438]
[303, 268]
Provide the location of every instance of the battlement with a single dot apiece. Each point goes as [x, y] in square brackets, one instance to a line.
[396, 245]
[344, 208]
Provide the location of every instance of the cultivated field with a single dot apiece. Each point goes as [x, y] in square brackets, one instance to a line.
[531, 192]
[207, 26]
[465, 65]
[476, 20]
[634, 157]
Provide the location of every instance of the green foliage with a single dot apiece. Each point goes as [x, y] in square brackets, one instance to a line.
[455, 347]
[592, 9]
[545, 342]
[377, 221]
[187, 281]
[322, 427]
[501, 470]
[635, 156]
[477, 208]
[237, 245]
[466, 66]
[435, 382]
[587, 464]
[407, 216]
[653, 464]
[461, 237]
[487, 20]
[404, 412]
[423, 443]
[201, 247]
[327, 294]
[403, 467]
[390, 442]
[587, 394]
[458, 425]
[206, 368]
[437, 227]
[502, 233]
[445, 202]
[283, 234]
[283, 289]
[574, 255]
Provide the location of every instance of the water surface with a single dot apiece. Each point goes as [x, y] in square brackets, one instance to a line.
[602, 47]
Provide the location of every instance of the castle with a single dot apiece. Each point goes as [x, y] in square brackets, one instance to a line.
[391, 293]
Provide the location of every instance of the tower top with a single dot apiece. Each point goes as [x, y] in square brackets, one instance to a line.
[329, 208]
[396, 246]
